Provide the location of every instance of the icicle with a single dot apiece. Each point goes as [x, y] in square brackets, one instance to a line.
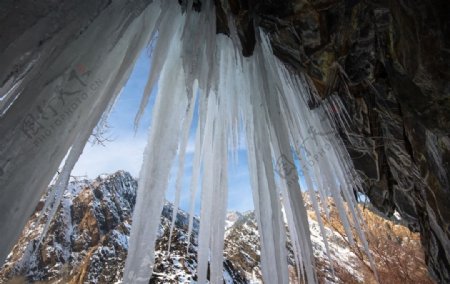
[163, 23]
[59, 187]
[50, 198]
[194, 182]
[75, 152]
[160, 152]
[220, 194]
[57, 104]
[294, 236]
[280, 145]
[207, 196]
[313, 199]
[266, 199]
[181, 155]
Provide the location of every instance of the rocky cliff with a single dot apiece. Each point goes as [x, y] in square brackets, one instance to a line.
[87, 241]
[387, 63]
[396, 250]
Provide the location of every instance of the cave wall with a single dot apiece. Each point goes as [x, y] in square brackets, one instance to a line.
[388, 61]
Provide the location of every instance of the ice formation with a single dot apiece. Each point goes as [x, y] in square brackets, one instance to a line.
[193, 69]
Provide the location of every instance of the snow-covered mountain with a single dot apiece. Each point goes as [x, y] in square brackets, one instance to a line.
[88, 238]
[87, 242]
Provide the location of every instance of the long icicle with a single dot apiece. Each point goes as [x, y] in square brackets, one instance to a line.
[194, 181]
[280, 144]
[160, 152]
[266, 199]
[207, 191]
[181, 157]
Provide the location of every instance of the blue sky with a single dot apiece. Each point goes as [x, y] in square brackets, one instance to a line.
[125, 150]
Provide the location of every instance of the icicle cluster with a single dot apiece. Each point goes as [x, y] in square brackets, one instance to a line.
[284, 138]
[193, 69]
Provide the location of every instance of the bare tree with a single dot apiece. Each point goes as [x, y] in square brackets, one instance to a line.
[101, 135]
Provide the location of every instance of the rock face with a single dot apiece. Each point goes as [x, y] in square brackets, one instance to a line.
[88, 239]
[388, 64]
[396, 251]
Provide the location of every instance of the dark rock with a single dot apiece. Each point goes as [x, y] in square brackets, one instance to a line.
[389, 64]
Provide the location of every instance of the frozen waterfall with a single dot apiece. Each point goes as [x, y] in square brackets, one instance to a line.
[52, 107]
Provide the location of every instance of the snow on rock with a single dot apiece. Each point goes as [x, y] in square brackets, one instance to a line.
[88, 241]
[88, 235]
